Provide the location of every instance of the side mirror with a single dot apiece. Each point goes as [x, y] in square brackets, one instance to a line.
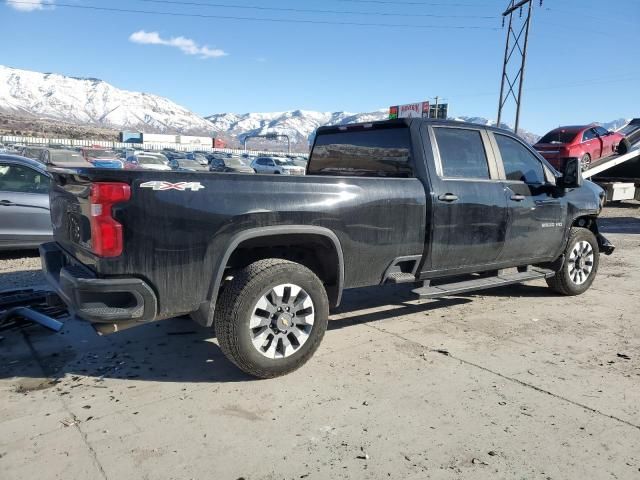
[572, 177]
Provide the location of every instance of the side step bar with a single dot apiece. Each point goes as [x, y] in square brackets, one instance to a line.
[483, 283]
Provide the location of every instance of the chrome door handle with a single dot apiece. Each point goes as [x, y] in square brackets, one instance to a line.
[448, 197]
[6, 203]
[517, 198]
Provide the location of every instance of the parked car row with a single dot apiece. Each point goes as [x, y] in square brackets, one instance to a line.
[166, 159]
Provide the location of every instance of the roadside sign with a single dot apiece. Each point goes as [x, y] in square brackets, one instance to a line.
[419, 110]
[442, 112]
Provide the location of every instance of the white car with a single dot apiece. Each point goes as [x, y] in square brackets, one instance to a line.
[277, 165]
[148, 161]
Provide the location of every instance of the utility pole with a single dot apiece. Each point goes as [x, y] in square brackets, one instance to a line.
[516, 44]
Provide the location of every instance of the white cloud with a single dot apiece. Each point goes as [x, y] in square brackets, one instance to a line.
[29, 5]
[186, 45]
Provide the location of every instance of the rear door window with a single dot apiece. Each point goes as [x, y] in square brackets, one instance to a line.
[365, 152]
[588, 135]
[462, 153]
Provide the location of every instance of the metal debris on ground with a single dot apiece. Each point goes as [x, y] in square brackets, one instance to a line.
[23, 307]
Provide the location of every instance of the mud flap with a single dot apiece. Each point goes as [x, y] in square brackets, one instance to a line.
[605, 245]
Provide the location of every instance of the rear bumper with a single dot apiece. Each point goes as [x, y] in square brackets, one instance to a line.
[97, 300]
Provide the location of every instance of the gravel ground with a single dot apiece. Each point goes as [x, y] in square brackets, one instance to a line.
[20, 269]
[511, 383]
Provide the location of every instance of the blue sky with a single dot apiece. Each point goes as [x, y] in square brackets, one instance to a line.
[583, 64]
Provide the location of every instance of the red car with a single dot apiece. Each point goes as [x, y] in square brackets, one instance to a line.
[588, 143]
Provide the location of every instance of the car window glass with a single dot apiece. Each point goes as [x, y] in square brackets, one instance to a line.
[20, 179]
[462, 153]
[519, 163]
[368, 152]
[588, 135]
[601, 131]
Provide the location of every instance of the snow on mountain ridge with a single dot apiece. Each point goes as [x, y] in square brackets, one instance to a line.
[92, 101]
[301, 125]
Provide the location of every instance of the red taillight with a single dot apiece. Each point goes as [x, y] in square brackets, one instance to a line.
[106, 233]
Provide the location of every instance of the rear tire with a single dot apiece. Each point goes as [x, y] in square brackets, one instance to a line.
[580, 267]
[585, 161]
[624, 146]
[271, 318]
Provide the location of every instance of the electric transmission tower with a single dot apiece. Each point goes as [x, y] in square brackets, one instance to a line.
[515, 53]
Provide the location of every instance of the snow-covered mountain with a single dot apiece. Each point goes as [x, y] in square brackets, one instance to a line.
[300, 125]
[89, 101]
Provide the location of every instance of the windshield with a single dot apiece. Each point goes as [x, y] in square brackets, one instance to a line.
[559, 136]
[284, 161]
[100, 154]
[65, 156]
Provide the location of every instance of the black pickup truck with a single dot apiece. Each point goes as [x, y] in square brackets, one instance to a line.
[449, 206]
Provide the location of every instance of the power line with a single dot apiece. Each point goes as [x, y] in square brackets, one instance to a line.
[257, 19]
[563, 86]
[301, 10]
[422, 4]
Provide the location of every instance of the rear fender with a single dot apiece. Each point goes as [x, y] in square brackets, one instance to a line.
[204, 314]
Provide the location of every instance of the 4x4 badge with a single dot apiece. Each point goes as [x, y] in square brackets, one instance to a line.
[180, 186]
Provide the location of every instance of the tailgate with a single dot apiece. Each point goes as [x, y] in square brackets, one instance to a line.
[72, 214]
[71, 210]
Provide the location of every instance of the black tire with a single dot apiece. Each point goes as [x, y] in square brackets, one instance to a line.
[624, 146]
[235, 307]
[585, 161]
[564, 281]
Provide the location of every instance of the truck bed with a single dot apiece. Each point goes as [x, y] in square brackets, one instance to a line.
[178, 225]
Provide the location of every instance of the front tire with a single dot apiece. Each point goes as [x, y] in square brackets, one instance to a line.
[580, 267]
[272, 317]
[623, 147]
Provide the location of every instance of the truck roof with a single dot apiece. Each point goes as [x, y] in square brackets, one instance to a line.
[404, 121]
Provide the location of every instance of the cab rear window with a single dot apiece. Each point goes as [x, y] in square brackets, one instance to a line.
[375, 152]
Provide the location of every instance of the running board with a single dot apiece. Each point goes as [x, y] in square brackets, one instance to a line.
[483, 283]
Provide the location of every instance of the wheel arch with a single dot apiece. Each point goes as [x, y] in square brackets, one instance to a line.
[264, 240]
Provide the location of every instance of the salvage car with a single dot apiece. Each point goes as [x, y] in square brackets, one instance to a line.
[102, 158]
[63, 158]
[450, 208]
[631, 131]
[147, 161]
[588, 143]
[25, 219]
[276, 165]
[230, 164]
[187, 165]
